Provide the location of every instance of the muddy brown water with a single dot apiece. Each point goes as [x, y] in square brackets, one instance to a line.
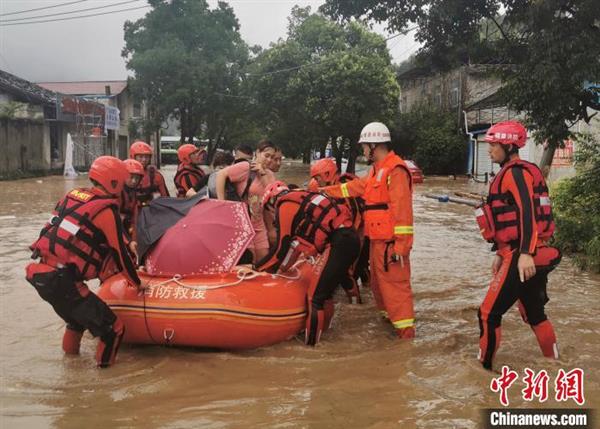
[359, 376]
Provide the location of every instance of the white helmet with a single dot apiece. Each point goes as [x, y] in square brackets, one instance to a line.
[375, 132]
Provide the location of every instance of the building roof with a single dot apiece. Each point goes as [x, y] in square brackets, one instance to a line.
[492, 100]
[415, 73]
[24, 90]
[87, 87]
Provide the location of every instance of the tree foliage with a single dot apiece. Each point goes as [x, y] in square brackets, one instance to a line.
[187, 61]
[432, 138]
[323, 83]
[547, 48]
[577, 207]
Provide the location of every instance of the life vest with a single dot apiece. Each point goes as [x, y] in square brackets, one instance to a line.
[316, 218]
[498, 219]
[378, 218]
[305, 217]
[71, 238]
[148, 188]
[356, 205]
[128, 206]
[195, 176]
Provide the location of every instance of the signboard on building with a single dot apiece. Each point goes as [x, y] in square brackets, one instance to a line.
[111, 118]
[563, 156]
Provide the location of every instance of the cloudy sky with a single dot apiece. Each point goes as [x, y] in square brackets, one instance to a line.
[90, 48]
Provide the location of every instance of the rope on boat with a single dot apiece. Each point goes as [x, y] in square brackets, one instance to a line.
[242, 274]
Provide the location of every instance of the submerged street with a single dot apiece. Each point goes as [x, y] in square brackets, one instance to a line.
[360, 375]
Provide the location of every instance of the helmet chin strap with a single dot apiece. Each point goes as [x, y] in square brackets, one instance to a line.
[371, 159]
[508, 150]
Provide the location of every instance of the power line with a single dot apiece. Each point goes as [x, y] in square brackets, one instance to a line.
[42, 8]
[402, 33]
[75, 17]
[410, 48]
[68, 13]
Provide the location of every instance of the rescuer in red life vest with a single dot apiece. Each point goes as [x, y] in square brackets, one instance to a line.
[153, 183]
[517, 218]
[388, 220]
[189, 173]
[129, 204]
[324, 172]
[84, 240]
[310, 223]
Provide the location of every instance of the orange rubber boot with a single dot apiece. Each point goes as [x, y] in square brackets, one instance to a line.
[406, 333]
[106, 353]
[329, 310]
[71, 340]
[315, 322]
[544, 332]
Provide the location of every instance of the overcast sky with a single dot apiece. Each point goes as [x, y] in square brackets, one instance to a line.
[90, 48]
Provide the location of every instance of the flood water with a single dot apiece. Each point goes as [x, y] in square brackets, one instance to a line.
[359, 376]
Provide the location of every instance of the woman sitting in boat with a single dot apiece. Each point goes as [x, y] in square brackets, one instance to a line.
[310, 223]
[250, 181]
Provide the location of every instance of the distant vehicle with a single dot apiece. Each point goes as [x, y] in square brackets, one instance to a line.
[415, 171]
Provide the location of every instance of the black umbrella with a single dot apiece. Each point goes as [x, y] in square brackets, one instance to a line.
[160, 215]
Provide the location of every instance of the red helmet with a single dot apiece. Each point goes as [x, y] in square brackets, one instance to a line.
[109, 172]
[134, 167]
[272, 191]
[507, 132]
[185, 151]
[326, 168]
[140, 148]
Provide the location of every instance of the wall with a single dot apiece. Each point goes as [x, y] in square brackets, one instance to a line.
[441, 90]
[24, 148]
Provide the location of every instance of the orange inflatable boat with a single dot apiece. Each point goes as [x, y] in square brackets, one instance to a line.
[240, 310]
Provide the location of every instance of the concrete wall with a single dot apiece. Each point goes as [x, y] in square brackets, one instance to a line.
[480, 85]
[24, 148]
[441, 90]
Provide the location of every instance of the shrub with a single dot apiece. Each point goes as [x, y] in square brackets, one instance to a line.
[433, 139]
[577, 207]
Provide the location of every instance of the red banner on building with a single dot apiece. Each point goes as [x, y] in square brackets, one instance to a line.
[563, 157]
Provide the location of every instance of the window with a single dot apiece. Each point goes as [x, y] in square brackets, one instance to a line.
[454, 97]
[137, 110]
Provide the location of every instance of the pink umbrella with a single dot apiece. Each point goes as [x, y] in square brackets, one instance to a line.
[210, 239]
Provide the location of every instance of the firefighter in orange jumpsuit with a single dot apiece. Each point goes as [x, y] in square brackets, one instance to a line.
[129, 204]
[517, 218]
[84, 240]
[388, 218]
[324, 172]
[153, 183]
[310, 223]
[189, 173]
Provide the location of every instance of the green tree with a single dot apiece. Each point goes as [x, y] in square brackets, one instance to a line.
[187, 61]
[432, 138]
[337, 78]
[577, 207]
[547, 50]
